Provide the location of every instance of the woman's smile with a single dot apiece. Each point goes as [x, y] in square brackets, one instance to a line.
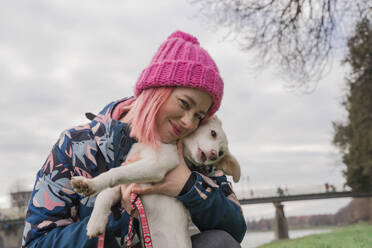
[176, 129]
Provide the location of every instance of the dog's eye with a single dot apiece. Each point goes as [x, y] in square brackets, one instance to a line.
[220, 153]
[214, 134]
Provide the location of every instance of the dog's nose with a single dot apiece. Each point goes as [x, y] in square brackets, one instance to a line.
[213, 155]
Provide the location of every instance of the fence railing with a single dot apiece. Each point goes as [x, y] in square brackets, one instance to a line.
[244, 192]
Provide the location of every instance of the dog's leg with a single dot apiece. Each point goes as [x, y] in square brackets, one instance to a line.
[143, 171]
[99, 217]
[151, 168]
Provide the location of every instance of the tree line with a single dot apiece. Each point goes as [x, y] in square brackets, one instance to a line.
[359, 209]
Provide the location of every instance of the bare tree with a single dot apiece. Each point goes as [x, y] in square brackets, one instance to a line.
[298, 35]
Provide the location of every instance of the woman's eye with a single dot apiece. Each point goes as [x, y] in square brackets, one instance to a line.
[199, 117]
[185, 104]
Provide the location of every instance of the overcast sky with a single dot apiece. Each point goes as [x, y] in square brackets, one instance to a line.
[60, 59]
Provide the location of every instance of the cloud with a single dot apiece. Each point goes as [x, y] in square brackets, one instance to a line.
[60, 59]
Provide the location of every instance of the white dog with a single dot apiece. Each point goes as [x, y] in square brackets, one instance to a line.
[167, 217]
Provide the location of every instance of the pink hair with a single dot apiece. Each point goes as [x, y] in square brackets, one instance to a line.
[142, 114]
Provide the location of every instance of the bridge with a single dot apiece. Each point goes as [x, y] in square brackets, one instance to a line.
[301, 197]
[285, 195]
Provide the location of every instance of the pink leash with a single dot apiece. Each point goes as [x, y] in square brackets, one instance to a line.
[136, 203]
[101, 240]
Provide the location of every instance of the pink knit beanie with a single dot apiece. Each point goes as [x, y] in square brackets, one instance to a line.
[180, 61]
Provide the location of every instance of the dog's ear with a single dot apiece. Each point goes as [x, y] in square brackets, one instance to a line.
[230, 166]
[215, 118]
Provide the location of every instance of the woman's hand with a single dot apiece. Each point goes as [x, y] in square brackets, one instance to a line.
[173, 181]
[126, 190]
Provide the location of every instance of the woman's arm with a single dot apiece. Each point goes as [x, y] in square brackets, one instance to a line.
[54, 206]
[52, 203]
[213, 205]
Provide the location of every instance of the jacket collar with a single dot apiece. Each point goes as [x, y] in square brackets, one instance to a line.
[111, 136]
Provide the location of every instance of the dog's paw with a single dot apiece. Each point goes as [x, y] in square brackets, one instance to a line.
[95, 227]
[83, 186]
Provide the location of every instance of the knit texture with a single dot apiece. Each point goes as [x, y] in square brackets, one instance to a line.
[180, 61]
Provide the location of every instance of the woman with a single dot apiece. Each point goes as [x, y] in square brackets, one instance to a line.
[178, 90]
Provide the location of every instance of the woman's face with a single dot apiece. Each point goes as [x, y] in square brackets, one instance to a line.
[181, 113]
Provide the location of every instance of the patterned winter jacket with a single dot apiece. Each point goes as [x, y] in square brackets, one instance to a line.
[54, 204]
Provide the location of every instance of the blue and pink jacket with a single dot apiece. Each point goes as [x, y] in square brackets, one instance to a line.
[55, 209]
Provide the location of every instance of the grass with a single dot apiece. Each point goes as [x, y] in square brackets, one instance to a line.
[354, 236]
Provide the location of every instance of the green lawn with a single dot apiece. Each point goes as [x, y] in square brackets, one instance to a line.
[354, 236]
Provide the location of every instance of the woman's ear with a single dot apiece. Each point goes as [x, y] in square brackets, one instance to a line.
[230, 166]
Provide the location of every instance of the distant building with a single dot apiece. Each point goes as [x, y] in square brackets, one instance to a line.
[18, 205]
[12, 219]
[20, 199]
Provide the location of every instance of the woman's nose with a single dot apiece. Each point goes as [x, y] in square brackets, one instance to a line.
[187, 121]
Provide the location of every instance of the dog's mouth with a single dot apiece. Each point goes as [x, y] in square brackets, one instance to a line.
[197, 158]
[202, 155]
[203, 159]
